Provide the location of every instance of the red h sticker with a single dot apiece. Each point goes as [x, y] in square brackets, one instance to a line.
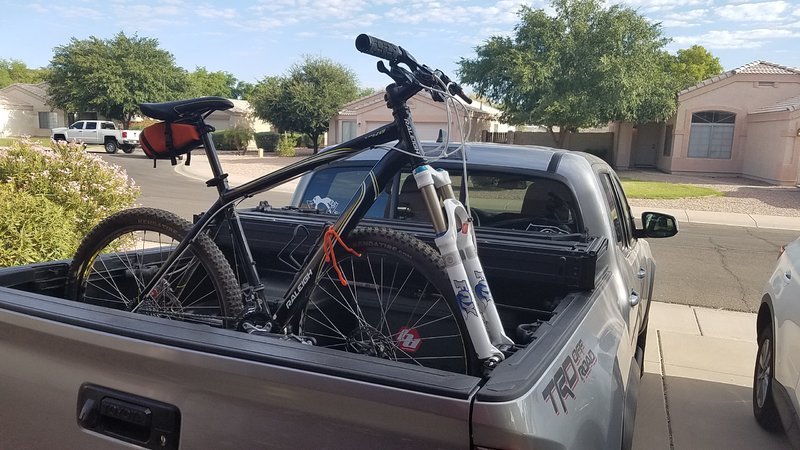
[408, 340]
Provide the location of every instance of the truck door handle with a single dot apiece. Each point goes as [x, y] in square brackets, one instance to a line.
[130, 418]
[641, 273]
[787, 275]
[634, 298]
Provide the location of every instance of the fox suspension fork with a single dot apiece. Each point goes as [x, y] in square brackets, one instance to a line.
[455, 238]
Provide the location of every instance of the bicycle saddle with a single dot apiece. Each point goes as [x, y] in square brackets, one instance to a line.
[184, 109]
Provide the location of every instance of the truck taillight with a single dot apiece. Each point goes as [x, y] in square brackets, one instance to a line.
[124, 134]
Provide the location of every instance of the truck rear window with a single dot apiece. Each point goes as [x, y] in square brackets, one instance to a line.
[497, 199]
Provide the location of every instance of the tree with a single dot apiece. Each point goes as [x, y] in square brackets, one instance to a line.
[583, 67]
[111, 77]
[204, 83]
[693, 65]
[306, 98]
[15, 71]
[243, 89]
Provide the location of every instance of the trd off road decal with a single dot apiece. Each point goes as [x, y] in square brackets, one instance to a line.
[408, 340]
[576, 366]
[464, 299]
[327, 204]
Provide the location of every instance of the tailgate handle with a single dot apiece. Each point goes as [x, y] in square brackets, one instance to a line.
[130, 418]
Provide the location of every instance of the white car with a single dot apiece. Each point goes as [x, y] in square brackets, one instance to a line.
[776, 379]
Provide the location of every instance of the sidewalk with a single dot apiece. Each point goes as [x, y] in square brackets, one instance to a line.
[696, 392]
[726, 218]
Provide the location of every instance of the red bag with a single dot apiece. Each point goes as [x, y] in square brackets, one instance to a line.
[166, 140]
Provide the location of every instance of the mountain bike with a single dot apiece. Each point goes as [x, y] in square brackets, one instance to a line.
[367, 290]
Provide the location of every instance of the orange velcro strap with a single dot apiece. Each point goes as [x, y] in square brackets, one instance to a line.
[328, 241]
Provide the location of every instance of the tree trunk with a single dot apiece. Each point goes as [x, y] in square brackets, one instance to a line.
[315, 139]
[558, 138]
[126, 122]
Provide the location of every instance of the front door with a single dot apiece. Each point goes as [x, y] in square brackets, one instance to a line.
[645, 147]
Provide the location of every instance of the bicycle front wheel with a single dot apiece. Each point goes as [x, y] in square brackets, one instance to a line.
[397, 304]
[119, 257]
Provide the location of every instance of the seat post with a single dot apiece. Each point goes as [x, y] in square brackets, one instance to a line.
[220, 179]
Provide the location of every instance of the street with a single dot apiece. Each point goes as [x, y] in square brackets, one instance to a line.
[163, 188]
[715, 266]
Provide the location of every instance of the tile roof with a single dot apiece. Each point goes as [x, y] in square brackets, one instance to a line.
[790, 104]
[755, 67]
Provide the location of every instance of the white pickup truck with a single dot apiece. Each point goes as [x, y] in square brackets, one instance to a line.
[101, 132]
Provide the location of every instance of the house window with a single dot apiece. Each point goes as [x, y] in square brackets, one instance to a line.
[48, 120]
[348, 130]
[712, 134]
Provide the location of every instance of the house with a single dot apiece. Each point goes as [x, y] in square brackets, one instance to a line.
[241, 114]
[744, 122]
[24, 111]
[370, 112]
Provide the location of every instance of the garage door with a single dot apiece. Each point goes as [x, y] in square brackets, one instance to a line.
[426, 131]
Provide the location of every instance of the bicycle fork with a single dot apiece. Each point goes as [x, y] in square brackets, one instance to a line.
[455, 239]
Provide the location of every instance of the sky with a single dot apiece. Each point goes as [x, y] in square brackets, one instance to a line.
[258, 38]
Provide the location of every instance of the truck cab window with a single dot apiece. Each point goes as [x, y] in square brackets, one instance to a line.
[91, 125]
[329, 191]
[613, 210]
[76, 126]
[503, 200]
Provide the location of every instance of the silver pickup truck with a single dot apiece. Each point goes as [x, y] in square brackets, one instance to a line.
[570, 272]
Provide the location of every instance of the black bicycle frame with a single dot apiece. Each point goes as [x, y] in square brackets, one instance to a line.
[377, 179]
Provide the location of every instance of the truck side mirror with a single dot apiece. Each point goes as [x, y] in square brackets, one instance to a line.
[657, 225]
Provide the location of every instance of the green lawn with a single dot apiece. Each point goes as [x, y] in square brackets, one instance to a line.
[4, 142]
[664, 191]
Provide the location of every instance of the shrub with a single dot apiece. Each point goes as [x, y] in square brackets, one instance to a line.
[87, 187]
[222, 140]
[33, 228]
[286, 145]
[235, 138]
[240, 136]
[267, 141]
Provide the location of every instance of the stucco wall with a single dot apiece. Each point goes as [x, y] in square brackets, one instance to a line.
[738, 94]
[772, 147]
[22, 114]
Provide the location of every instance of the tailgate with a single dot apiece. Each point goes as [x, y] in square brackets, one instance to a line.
[231, 390]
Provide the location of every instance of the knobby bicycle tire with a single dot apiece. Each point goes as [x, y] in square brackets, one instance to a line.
[398, 304]
[120, 255]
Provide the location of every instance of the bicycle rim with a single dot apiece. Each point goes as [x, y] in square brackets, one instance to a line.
[393, 307]
[114, 270]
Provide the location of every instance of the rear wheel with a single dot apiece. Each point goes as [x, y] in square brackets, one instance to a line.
[398, 304]
[111, 146]
[763, 378]
[120, 256]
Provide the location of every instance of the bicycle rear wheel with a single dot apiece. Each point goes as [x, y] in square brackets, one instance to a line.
[398, 304]
[120, 256]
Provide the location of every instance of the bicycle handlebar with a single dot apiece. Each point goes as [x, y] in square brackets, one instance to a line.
[396, 54]
[378, 47]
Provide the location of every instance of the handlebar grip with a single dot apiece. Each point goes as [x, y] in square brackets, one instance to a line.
[377, 47]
